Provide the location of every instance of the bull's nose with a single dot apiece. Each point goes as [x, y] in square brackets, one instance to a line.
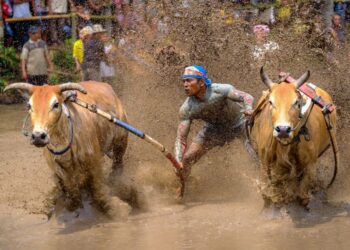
[39, 139]
[283, 131]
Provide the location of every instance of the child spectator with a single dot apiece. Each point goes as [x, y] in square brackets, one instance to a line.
[57, 7]
[93, 55]
[35, 59]
[338, 32]
[78, 47]
[21, 8]
[263, 45]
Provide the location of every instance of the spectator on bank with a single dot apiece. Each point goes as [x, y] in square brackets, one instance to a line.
[262, 43]
[338, 32]
[57, 7]
[7, 12]
[97, 6]
[122, 11]
[104, 8]
[340, 8]
[108, 68]
[83, 14]
[21, 8]
[152, 15]
[35, 60]
[40, 9]
[93, 55]
[78, 47]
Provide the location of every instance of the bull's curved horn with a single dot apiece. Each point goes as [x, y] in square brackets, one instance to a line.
[302, 79]
[20, 85]
[266, 80]
[72, 86]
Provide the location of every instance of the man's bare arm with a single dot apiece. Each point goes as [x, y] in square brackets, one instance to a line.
[24, 69]
[247, 99]
[181, 139]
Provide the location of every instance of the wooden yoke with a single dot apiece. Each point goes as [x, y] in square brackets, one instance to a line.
[308, 89]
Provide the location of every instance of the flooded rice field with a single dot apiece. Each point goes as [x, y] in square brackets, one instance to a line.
[222, 208]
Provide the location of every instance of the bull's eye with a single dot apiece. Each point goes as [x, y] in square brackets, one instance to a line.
[55, 105]
[297, 104]
[29, 107]
[271, 104]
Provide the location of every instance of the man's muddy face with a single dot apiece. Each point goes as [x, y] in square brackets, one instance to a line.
[192, 86]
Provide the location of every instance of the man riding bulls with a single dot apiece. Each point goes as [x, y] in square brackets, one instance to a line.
[223, 109]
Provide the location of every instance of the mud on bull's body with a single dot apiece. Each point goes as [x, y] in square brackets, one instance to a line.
[78, 169]
[288, 162]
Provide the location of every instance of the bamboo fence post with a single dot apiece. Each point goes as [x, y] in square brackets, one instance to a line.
[74, 26]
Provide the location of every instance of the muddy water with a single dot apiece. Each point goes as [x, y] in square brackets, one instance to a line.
[221, 210]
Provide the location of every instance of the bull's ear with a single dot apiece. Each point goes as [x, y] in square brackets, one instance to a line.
[25, 89]
[24, 94]
[69, 95]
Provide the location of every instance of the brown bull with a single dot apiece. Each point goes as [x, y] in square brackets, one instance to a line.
[76, 140]
[288, 169]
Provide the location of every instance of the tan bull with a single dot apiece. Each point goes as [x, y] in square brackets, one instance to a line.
[288, 169]
[75, 140]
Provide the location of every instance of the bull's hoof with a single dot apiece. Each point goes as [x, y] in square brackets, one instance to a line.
[317, 201]
[118, 209]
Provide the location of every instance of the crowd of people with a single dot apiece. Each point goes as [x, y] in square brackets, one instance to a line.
[126, 13]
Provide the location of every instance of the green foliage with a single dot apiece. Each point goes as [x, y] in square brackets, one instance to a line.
[54, 79]
[9, 65]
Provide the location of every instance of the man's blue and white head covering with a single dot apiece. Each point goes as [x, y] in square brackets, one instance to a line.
[197, 72]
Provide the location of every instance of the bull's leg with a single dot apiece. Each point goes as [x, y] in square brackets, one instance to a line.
[53, 197]
[307, 184]
[265, 185]
[119, 149]
[72, 197]
[111, 206]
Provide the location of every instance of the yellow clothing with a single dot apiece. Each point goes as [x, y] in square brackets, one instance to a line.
[78, 51]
